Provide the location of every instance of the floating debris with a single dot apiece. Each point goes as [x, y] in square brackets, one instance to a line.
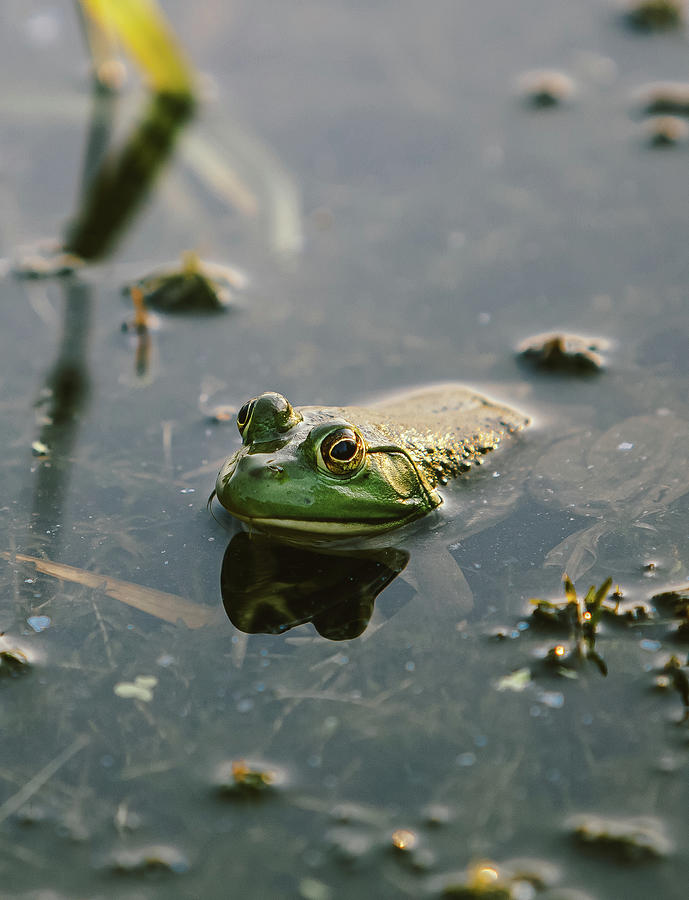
[632, 840]
[406, 845]
[139, 689]
[487, 880]
[152, 858]
[141, 326]
[194, 286]
[630, 612]
[404, 839]
[38, 623]
[38, 448]
[664, 97]
[676, 605]
[546, 87]
[537, 872]
[562, 352]
[13, 661]
[46, 259]
[238, 777]
[516, 681]
[436, 814]
[666, 131]
[655, 15]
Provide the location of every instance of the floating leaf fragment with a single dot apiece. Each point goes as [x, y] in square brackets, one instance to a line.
[139, 689]
[516, 681]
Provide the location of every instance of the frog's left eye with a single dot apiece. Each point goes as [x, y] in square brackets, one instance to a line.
[244, 415]
[342, 452]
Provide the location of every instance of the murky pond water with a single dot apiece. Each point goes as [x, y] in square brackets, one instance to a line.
[444, 219]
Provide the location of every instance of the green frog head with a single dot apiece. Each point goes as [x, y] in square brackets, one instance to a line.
[319, 471]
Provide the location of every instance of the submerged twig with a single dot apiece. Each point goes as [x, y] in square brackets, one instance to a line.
[168, 607]
[16, 801]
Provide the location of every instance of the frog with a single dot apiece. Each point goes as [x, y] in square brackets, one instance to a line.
[357, 471]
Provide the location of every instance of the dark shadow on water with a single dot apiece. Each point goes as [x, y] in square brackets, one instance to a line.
[270, 587]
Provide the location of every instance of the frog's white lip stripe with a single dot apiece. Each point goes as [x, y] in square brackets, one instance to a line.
[324, 527]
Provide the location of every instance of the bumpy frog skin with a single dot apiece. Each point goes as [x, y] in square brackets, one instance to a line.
[346, 471]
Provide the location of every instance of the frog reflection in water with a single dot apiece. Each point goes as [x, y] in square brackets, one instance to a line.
[356, 471]
[270, 586]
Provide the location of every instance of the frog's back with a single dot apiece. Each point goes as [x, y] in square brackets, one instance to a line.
[446, 428]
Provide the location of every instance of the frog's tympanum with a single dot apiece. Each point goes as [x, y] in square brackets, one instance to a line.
[348, 471]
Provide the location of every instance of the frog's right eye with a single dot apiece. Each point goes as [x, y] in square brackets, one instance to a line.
[244, 415]
[342, 452]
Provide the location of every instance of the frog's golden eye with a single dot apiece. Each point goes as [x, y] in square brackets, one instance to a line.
[244, 415]
[342, 452]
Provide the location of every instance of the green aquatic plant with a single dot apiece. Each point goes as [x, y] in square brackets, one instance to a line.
[141, 27]
[115, 183]
[656, 15]
[675, 604]
[581, 616]
[116, 180]
[193, 285]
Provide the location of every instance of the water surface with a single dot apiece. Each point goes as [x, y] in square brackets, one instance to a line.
[444, 220]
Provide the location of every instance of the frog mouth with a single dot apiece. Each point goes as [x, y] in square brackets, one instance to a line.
[323, 527]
